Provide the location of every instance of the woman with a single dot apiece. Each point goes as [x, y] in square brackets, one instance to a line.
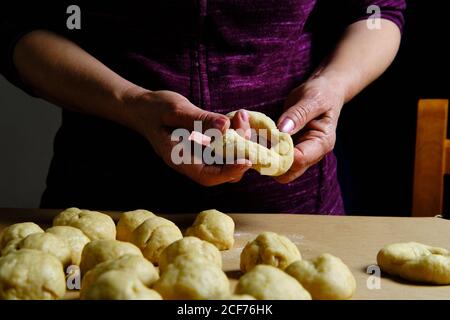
[135, 72]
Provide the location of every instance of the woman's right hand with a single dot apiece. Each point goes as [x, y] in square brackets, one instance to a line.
[158, 113]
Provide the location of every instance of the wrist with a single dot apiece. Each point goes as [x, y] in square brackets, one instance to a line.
[334, 80]
[133, 101]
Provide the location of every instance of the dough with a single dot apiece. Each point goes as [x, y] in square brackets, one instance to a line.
[129, 221]
[118, 285]
[416, 262]
[132, 264]
[190, 246]
[154, 235]
[95, 225]
[11, 246]
[271, 249]
[48, 243]
[192, 278]
[272, 162]
[74, 238]
[31, 275]
[325, 277]
[17, 232]
[215, 227]
[99, 251]
[269, 283]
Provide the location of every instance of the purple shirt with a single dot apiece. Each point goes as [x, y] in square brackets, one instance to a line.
[222, 55]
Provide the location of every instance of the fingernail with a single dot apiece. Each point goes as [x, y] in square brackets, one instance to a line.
[244, 115]
[219, 123]
[287, 125]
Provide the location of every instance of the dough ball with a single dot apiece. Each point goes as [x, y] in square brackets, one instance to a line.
[129, 221]
[215, 227]
[154, 235]
[31, 275]
[18, 231]
[325, 277]
[48, 243]
[416, 262]
[11, 246]
[74, 238]
[132, 264]
[189, 278]
[190, 246]
[118, 285]
[95, 225]
[99, 251]
[269, 283]
[271, 249]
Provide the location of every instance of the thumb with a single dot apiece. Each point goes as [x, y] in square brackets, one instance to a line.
[189, 114]
[298, 115]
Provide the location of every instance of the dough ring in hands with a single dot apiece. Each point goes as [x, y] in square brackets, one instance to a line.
[273, 161]
[416, 262]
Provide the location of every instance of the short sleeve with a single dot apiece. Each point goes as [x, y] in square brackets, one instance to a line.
[392, 10]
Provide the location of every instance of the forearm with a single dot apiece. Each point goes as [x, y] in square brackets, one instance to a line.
[61, 72]
[360, 57]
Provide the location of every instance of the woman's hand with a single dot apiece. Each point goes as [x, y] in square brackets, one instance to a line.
[158, 113]
[311, 116]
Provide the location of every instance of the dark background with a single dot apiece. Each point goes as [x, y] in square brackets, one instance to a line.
[376, 134]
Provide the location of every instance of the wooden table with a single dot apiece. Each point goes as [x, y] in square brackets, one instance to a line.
[356, 240]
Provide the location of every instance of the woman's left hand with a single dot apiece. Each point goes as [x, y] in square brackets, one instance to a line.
[311, 116]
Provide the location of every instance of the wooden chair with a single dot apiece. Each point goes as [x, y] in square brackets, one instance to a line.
[432, 160]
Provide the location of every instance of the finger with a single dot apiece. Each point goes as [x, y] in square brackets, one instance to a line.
[241, 123]
[298, 115]
[186, 116]
[306, 154]
[211, 175]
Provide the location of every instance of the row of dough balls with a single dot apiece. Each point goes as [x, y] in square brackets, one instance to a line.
[190, 268]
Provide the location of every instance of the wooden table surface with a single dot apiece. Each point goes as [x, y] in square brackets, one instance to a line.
[356, 240]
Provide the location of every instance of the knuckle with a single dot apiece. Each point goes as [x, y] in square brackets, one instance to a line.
[329, 143]
[299, 164]
[203, 116]
[300, 114]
